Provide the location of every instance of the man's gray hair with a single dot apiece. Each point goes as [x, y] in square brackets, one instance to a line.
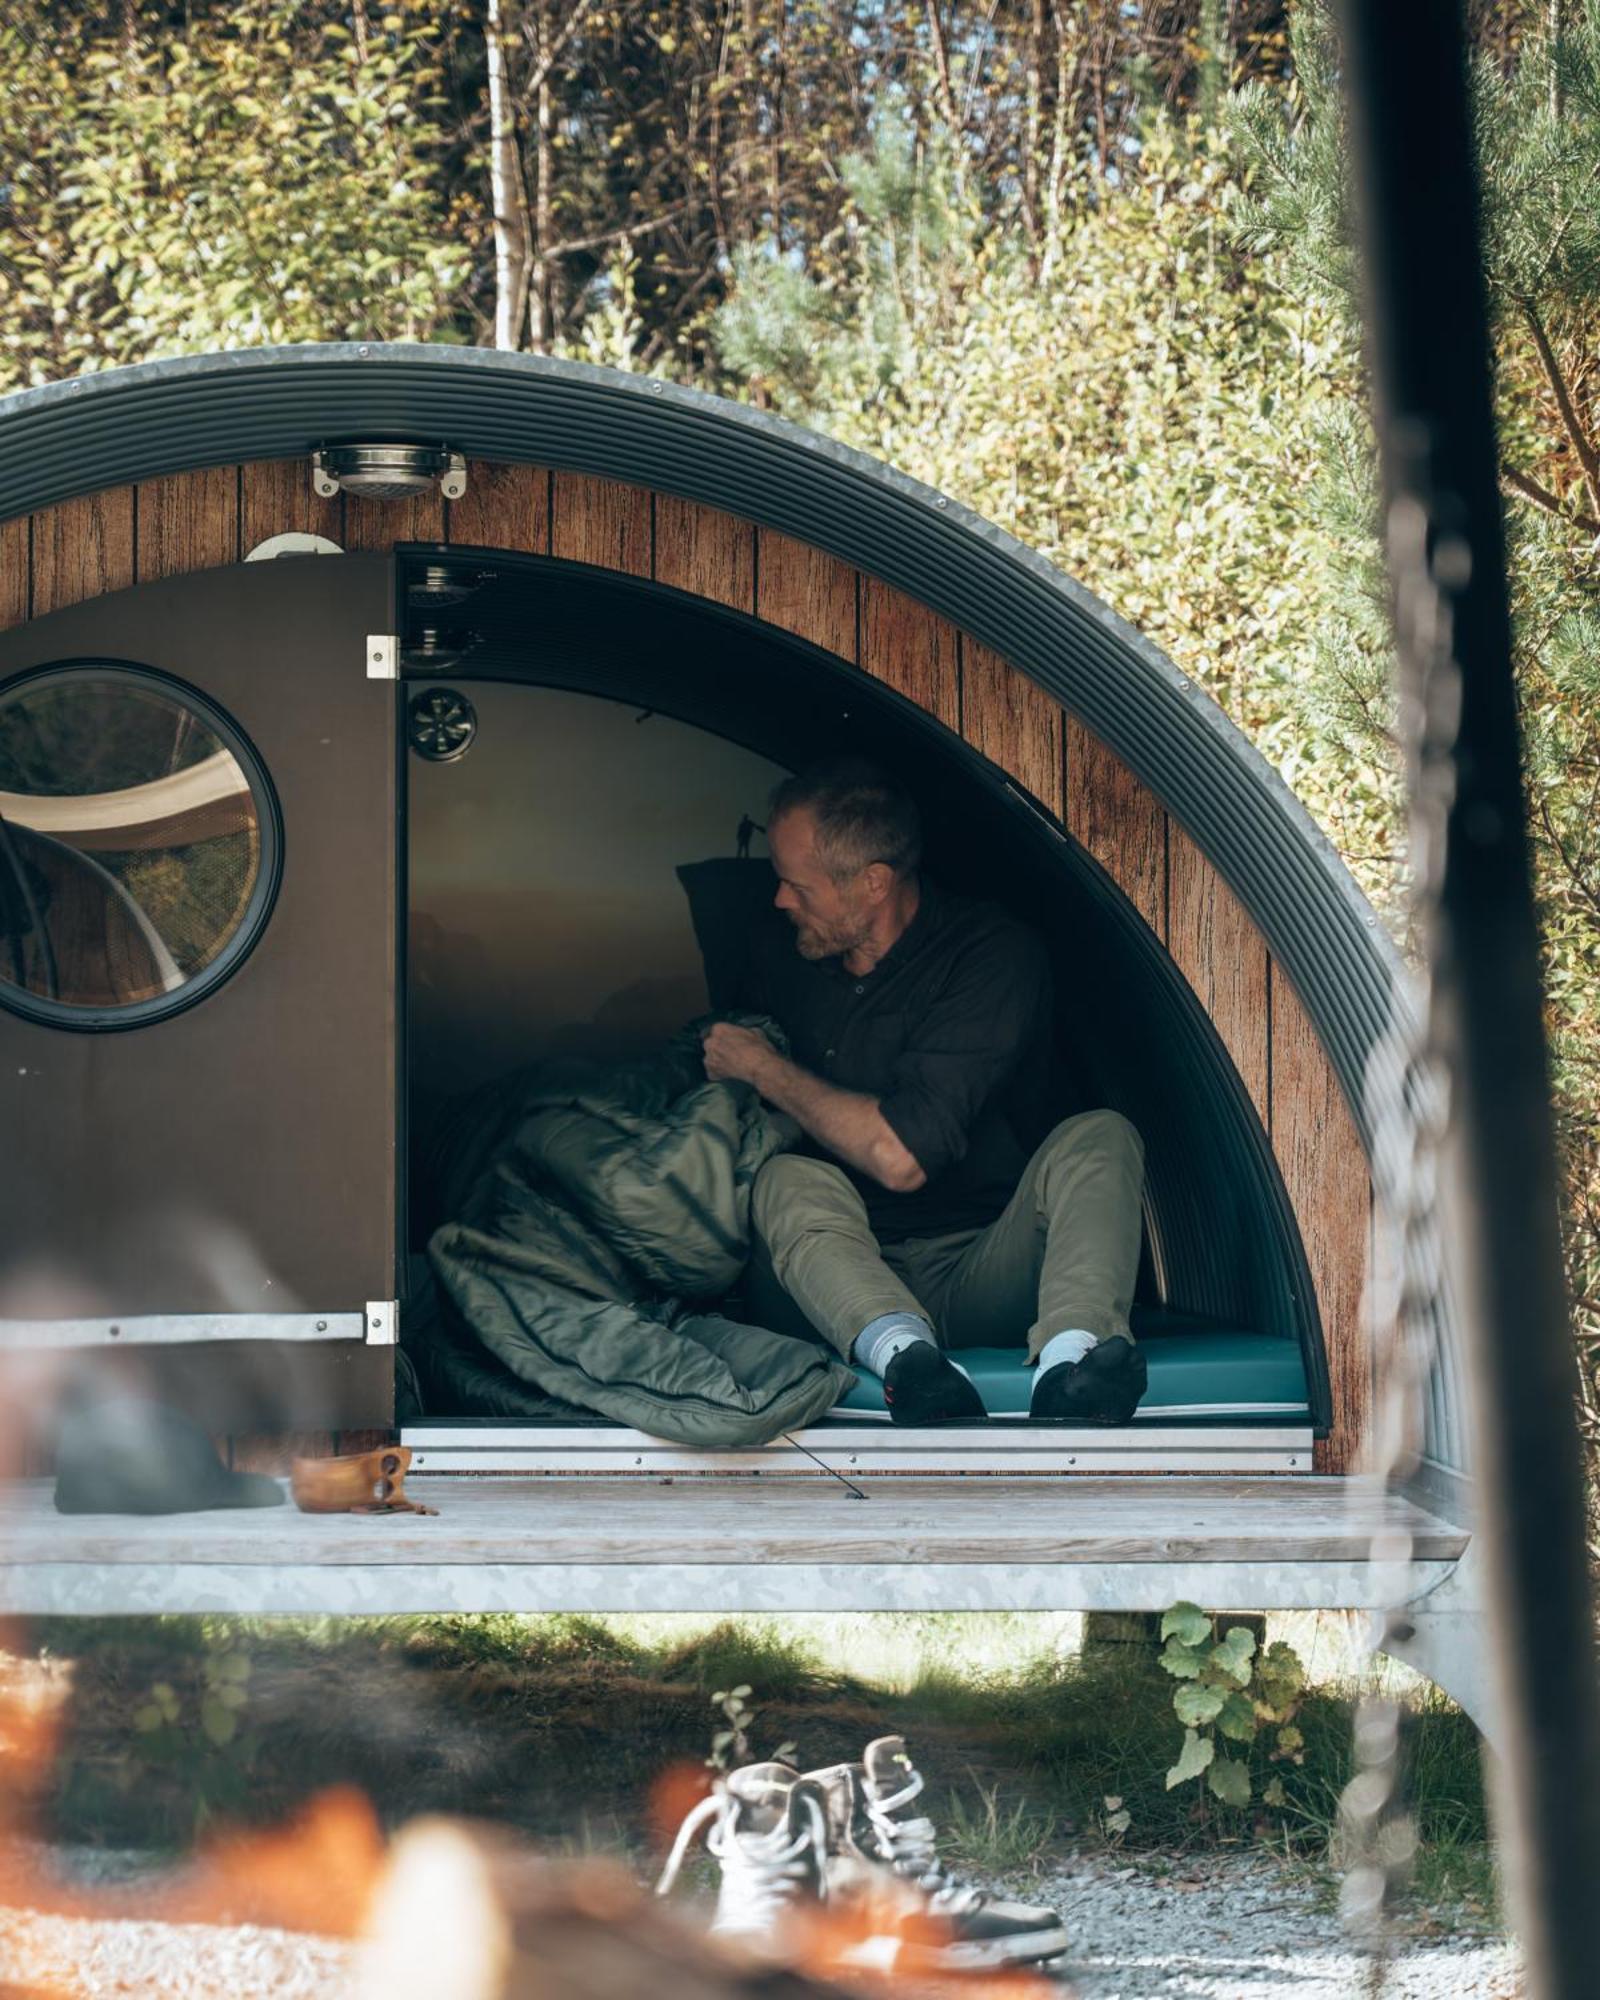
[862, 815]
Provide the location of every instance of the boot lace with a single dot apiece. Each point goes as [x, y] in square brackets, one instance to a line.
[761, 1872]
[909, 1845]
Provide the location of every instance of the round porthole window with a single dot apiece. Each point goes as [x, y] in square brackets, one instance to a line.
[139, 845]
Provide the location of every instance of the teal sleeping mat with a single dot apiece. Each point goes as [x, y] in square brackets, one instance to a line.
[1199, 1367]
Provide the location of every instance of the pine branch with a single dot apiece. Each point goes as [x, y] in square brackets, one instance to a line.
[1541, 496]
[1582, 444]
[1583, 889]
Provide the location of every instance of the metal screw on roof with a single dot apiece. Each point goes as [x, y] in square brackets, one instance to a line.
[941, 501]
[657, 388]
[363, 351]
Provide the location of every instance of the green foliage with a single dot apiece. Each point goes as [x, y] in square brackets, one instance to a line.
[730, 1745]
[1229, 1690]
[200, 1736]
[1138, 397]
[248, 182]
[992, 1836]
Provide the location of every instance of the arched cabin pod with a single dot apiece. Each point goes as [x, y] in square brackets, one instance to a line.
[367, 828]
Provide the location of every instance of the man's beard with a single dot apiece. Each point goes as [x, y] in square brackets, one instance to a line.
[814, 943]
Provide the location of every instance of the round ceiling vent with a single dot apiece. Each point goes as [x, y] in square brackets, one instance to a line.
[441, 725]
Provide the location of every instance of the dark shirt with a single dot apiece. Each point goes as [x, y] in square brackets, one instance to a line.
[950, 1031]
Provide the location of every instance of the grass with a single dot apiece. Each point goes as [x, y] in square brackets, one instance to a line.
[563, 1727]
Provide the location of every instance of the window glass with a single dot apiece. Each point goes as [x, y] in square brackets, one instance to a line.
[131, 844]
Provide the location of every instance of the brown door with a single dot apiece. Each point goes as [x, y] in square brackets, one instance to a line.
[198, 842]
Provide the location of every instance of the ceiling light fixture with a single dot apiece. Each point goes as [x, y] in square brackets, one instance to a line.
[387, 471]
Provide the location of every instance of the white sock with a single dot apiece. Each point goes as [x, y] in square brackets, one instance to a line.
[881, 1339]
[1072, 1345]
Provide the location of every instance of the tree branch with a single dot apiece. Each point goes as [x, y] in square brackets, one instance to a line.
[1582, 444]
[558, 41]
[1541, 496]
[941, 65]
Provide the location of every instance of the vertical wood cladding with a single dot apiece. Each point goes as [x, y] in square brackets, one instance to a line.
[87, 546]
[13, 573]
[1012, 721]
[1112, 815]
[1324, 1168]
[704, 551]
[807, 592]
[83, 548]
[600, 521]
[1221, 954]
[187, 521]
[276, 497]
[911, 649]
[504, 507]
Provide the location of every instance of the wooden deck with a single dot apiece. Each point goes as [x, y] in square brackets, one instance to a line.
[736, 1544]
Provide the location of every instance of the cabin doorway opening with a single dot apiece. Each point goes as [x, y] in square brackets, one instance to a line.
[575, 739]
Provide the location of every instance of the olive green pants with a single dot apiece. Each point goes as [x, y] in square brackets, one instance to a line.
[1065, 1253]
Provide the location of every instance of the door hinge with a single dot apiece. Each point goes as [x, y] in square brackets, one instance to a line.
[383, 656]
[383, 1322]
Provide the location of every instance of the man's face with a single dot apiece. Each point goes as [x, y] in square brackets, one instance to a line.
[829, 917]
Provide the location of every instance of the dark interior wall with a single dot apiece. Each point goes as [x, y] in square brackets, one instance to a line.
[545, 917]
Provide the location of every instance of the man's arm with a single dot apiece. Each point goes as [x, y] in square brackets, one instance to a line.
[847, 1122]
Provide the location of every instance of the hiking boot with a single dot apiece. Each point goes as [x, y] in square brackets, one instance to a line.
[924, 1919]
[767, 1828]
[1105, 1387]
[921, 1385]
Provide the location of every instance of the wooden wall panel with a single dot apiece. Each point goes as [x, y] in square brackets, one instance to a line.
[1325, 1172]
[600, 521]
[703, 550]
[1012, 721]
[276, 497]
[14, 561]
[83, 548]
[807, 592]
[911, 649]
[504, 507]
[1221, 954]
[374, 525]
[187, 521]
[1111, 814]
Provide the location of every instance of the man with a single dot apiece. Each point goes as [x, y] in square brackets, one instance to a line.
[921, 1216]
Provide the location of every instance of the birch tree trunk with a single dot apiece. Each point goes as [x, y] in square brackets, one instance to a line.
[512, 241]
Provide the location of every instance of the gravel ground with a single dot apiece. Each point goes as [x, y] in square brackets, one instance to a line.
[1240, 1927]
[1201, 1928]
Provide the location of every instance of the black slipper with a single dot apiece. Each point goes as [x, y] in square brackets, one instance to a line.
[1105, 1387]
[922, 1386]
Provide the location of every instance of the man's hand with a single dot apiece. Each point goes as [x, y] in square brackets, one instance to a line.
[744, 1054]
[847, 1122]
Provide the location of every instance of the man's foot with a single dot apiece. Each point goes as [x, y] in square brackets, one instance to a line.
[921, 1385]
[884, 1860]
[1105, 1387]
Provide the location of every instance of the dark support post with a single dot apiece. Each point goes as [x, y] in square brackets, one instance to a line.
[1429, 351]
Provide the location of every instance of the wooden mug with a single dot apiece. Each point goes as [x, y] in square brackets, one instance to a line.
[362, 1482]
